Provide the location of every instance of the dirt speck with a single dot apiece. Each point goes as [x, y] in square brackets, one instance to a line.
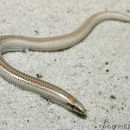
[112, 97]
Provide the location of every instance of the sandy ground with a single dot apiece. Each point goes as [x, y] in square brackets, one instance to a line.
[96, 71]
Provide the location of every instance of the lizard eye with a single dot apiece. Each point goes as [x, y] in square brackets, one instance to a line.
[77, 109]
